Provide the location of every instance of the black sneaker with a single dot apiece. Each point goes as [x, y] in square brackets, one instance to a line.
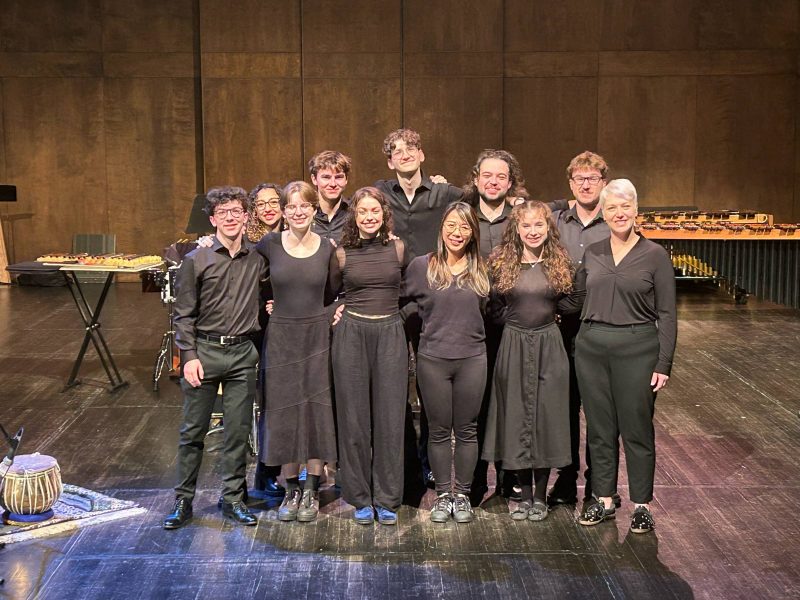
[462, 509]
[642, 521]
[442, 508]
[597, 513]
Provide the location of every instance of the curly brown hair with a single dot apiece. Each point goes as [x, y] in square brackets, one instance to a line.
[506, 259]
[514, 174]
[350, 236]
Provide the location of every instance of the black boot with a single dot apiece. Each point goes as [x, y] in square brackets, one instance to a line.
[181, 513]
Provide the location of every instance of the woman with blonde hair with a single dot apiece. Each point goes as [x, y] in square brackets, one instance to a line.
[450, 287]
[528, 422]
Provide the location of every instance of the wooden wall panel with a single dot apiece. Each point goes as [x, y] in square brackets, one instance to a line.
[52, 26]
[453, 26]
[148, 26]
[646, 131]
[355, 26]
[745, 143]
[748, 24]
[352, 116]
[552, 25]
[457, 118]
[655, 25]
[251, 130]
[57, 160]
[250, 25]
[149, 128]
[548, 120]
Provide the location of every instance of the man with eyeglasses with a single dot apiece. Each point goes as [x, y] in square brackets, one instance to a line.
[579, 227]
[417, 201]
[216, 314]
[329, 171]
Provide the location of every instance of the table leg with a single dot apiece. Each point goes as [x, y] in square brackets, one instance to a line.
[93, 333]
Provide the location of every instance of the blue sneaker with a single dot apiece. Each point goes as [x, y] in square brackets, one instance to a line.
[364, 515]
[302, 475]
[386, 516]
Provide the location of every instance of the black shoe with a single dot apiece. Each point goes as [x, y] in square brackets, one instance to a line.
[238, 511]
[181, 513]
[273, 489]
[642, 521]
[430, 480]
[221, 500]
[557, 498]
[597, 513]
[615, 499]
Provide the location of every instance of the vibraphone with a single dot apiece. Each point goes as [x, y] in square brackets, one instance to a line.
[741, 250]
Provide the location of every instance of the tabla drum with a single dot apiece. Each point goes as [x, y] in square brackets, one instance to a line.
[31, 488]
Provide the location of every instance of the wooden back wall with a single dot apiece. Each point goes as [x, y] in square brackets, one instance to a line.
[113, 114]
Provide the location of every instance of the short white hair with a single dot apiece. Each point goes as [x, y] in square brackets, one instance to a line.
[620, 188]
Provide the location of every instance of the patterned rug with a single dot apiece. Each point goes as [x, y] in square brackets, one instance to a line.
[76, 507]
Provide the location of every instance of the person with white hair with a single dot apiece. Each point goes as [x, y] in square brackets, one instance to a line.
[623, 354]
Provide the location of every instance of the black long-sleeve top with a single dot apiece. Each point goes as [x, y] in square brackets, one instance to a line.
[217, 294]
[452, 318]
[532, 302]
[417, 222]
[371, 276]
[301, 287]
[640, 289]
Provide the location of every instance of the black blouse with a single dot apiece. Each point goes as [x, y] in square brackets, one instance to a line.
[640, 289]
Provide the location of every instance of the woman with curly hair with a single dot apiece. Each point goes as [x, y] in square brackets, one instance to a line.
[265, 211]
[528, 423]
[370, 361]
[450, 287]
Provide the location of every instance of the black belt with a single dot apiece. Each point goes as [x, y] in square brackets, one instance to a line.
[223, 340]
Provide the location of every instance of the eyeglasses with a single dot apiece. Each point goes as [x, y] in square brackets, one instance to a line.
[594, 180]
[290, 208]
[410, 150]
[236, 213]
[450, 227]
[262, 204]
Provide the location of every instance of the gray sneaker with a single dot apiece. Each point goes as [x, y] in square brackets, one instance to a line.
[442, 508]
[462, 509]
[309, 507]
[290, 505]
[538, 511]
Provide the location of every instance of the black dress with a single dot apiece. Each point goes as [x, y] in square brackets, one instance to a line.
[528, 422]
[298, 415]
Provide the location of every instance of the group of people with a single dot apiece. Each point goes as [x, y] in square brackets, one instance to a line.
[517, 312]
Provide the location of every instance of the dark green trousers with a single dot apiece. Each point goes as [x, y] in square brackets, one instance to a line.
[235, 367]
[614, 365]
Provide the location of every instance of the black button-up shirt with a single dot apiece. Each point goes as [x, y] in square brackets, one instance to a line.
[417, 222]
[331, 228]
[575, 236]
[217, 294]
[492, 231]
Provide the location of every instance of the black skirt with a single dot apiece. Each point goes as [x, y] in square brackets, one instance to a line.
[528, 422]
[297, 420]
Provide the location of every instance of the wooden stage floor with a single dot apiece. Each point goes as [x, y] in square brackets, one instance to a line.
[726, 494]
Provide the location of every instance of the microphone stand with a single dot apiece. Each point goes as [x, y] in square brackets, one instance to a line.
[5, 465]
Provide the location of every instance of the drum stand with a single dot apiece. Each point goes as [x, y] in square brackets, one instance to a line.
[167, 350]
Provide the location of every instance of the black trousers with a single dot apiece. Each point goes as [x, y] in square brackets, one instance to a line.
[494, 333]
[452, 392]
[614, 365]
[370, 372]
[417, 464]
[235, 368]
